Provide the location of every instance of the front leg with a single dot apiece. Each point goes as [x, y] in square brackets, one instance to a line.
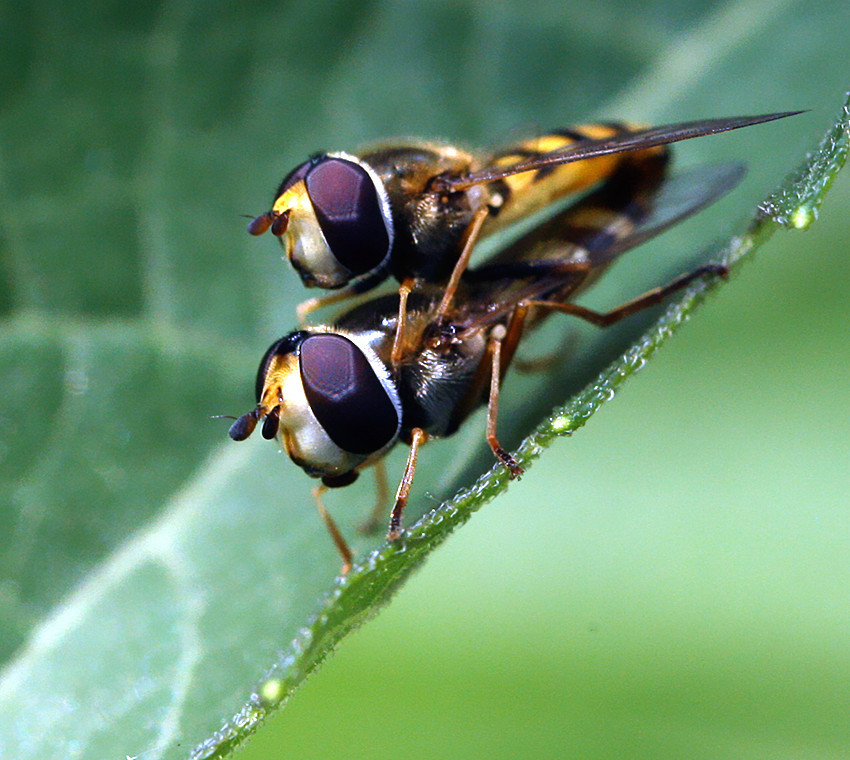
[336, 535]
[404, 291]
[470, 239]
[356, 288]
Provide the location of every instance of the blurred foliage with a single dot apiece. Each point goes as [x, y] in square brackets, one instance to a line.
[152, 572]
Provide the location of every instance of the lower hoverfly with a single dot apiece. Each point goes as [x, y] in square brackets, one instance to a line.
[338, 401]
[416, 209]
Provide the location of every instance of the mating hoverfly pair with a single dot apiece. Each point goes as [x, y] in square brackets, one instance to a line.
[413, 365]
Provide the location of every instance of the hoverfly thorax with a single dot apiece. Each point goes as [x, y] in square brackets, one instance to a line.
[333, 219]
[329, 398]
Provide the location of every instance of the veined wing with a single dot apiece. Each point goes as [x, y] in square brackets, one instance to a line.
[564, 255]
[621, 143]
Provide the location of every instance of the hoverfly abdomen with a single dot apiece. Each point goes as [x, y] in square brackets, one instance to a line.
[575, 246]
[612, 211]
[525, 193]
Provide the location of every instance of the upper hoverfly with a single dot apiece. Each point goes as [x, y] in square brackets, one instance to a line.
[338, 400]
[415, 210]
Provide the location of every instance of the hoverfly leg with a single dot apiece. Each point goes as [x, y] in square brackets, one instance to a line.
[355, 288]
[417, 437]
[650, 298]
[340, 542]
[401, 324]
[308, 306]
[460, 266]
[375, 519]
[497, 336]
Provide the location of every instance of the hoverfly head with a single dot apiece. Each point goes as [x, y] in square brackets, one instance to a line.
[329, 399]
[333, 219]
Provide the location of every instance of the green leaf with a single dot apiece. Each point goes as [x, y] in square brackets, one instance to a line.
[153, 570]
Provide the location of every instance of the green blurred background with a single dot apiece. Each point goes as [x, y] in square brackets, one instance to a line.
[671, 582]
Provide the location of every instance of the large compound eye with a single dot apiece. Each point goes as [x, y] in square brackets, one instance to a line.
[346, 396]
[349, 212]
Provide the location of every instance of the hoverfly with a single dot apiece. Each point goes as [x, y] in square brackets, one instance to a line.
[415, 210]
[338, 402]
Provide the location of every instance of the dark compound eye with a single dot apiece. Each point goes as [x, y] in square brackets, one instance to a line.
[349, 212]
[346, 395]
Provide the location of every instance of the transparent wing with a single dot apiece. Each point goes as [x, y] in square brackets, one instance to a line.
[622, 143]
[561, 256]
[680, 196]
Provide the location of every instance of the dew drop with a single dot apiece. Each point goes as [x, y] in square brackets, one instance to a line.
[803, 217]
[562, 423]
[271, 692]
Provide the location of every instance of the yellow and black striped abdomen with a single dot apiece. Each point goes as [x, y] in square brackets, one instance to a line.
[590, 234]
[528, 192]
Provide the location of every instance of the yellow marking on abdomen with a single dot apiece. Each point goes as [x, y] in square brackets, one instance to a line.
[533, 190]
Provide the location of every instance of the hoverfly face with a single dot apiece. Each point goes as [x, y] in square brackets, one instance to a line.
[329, 399]
[332, 216]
